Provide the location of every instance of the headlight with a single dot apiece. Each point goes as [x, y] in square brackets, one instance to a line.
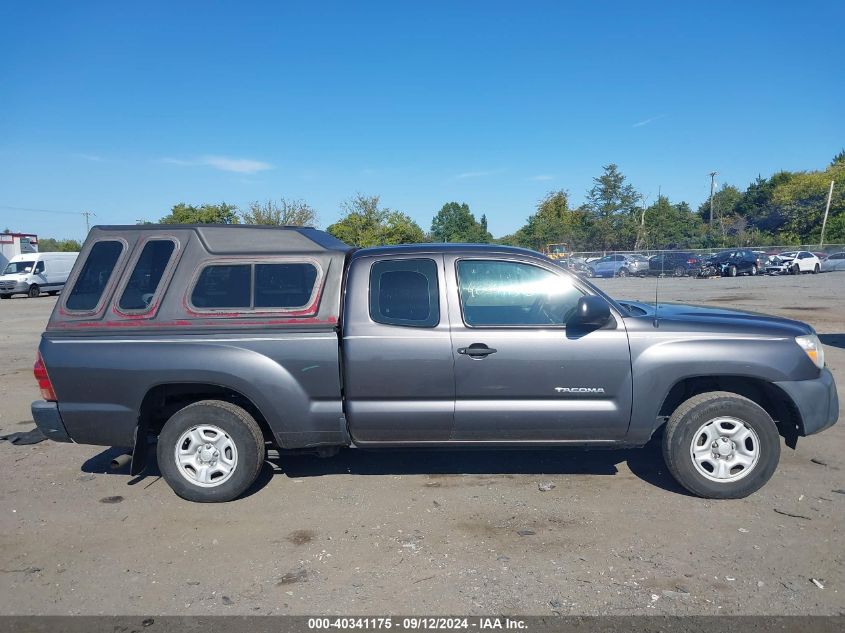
[813, 348]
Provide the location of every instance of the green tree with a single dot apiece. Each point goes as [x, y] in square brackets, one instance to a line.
[282, 213]
[366, 223]
[802, 198]
[554, 223]
[613, 205]
[50, 245]
[670, 225]
[204, 214]
[456, 223]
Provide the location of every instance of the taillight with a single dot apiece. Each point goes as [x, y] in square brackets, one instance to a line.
[43, 379]
[692, 261]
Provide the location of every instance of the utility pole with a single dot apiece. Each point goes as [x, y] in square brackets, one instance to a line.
[87, 214]
[712, 193]
[826, 211]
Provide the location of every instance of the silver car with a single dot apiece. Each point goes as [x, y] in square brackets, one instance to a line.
[834, 261]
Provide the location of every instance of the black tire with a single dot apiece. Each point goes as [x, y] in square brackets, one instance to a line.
[53, 293]
[34, 291]
[237, 424]
[732, 272]
[795, 270]
[685, 423]
[817, 269]
[623, 272]
[5, 296]
[680, 271]
[754, 270]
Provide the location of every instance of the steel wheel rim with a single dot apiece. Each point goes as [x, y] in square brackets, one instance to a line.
[725, 449]
[206, 455]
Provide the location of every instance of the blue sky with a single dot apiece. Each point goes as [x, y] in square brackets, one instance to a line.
[124, 109]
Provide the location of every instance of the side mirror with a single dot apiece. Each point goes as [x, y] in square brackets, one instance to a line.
[592, 311]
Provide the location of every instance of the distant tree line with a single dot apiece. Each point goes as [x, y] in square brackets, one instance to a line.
[785, 208]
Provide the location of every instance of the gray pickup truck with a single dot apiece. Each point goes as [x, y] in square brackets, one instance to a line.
[214, 342]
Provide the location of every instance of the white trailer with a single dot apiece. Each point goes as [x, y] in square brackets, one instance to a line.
[14, 244]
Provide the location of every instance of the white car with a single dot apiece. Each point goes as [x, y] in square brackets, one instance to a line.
[834, 261]
[793, 263]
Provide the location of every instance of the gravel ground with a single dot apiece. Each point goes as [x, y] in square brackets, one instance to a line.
[428, 532]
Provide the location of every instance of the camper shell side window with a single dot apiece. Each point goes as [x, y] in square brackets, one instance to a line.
[93, 283]
[276, 285]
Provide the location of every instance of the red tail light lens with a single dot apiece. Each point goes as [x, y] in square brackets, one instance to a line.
[43, 379]
[692, 261]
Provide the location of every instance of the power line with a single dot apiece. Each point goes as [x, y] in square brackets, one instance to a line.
[3, 206]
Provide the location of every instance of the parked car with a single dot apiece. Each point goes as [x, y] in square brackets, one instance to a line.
[620, 266]
[33, 273]
[793, 263]
[235, 337]
[575, 265]
[733, 262]
[674, 263]
[833, 262]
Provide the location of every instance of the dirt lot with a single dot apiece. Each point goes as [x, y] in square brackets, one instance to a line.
[448, 532]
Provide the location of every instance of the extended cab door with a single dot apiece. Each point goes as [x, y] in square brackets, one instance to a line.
[399, 382]
[519, 373]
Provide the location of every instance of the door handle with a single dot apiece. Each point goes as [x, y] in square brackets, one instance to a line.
[476, 350]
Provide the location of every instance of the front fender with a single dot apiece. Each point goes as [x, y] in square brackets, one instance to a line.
[659, 366]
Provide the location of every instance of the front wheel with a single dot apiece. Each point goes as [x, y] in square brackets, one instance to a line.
[34, 291]
[754, 270]
[720, 445]
[210, 451]
[623, 272]
[5, 296]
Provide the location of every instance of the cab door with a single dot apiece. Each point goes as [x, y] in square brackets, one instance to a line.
[520, 374]
[399, 383]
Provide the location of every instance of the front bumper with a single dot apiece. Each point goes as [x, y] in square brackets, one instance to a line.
[49, 420]
[8, 287]
[816, 400]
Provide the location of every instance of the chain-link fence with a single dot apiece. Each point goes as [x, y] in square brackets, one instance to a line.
[704, 253]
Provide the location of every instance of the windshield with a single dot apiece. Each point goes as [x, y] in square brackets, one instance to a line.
[15, 268]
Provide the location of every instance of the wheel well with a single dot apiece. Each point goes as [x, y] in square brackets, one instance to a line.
[163, 401]
[767, 395]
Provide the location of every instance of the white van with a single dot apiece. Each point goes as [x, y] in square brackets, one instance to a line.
[34, 273]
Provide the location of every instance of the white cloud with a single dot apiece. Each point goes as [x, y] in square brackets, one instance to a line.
[647, 121]
[478, 174]
[542, 177]
[223, 163]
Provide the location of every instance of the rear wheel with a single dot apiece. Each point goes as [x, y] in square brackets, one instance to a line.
[34, 291]
[210, 451]
[679, 271]
[720, 445]
[754, 270]
[5, 296]
[623, 272]
[817, 269]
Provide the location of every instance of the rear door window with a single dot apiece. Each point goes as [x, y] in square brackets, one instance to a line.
[405, 292]
[94, 276]
[147, 274]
